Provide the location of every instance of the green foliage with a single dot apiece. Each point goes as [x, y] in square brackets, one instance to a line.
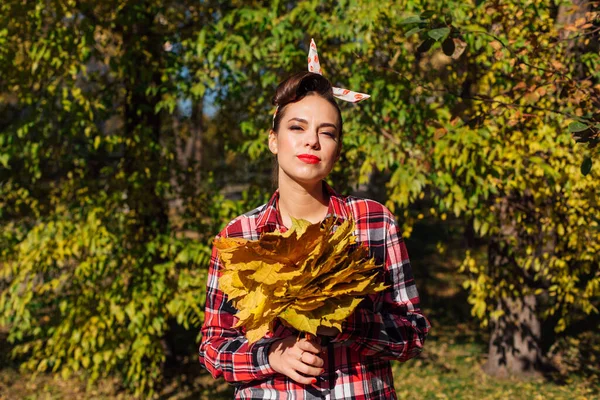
[78, 299]
[110, 194]
[478, 128]
[106, 214]
[514, 172]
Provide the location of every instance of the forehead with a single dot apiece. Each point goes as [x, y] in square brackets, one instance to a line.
[312, 108]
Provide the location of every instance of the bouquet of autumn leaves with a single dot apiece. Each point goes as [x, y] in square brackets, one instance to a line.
[308, 277]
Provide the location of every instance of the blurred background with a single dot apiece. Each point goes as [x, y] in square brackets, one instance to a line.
[132, 131]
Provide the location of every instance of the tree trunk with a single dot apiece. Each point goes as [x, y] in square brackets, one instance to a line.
[515, 342]
[188, 147]
[143, 126]
[567, 15]
[514, 348]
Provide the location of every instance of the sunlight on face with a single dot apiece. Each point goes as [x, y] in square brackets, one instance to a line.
[307, 144]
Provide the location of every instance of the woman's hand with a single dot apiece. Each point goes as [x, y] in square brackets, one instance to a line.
[292, 358]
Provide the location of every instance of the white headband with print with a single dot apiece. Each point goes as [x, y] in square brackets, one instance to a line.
[340, 93]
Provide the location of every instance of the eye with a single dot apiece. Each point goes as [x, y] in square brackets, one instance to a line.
[330, 134]
[295, 127]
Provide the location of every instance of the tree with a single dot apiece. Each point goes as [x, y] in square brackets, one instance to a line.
[483, 134]
[512, 169]
[96, 262]
[105, 178]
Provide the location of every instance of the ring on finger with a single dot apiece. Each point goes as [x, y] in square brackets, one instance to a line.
[301, 354]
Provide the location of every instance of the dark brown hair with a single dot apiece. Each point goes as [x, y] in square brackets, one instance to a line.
[298, 86]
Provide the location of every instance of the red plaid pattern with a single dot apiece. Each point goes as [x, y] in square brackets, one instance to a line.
[386, 326]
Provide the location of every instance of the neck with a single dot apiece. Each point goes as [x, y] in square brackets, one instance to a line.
[301, 201]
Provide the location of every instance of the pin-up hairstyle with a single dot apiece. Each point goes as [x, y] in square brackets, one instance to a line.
[298, 86]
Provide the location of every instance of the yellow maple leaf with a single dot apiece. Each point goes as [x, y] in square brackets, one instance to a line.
[312, 275]
[339, 311]
[308, 304]
[231, 284]
[251, 306]
[280, 291]
[229, 244]
[256, 334]
[301, 320]
[270, 274]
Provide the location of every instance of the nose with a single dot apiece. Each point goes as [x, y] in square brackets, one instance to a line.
[311, 139]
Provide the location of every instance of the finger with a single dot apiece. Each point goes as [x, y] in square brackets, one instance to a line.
[313, 360]
[306, 369]
[305, 380]
[310, 346]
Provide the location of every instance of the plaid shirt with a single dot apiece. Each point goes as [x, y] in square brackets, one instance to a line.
[386, 326]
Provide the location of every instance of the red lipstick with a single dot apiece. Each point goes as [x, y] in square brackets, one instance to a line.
[309, 158]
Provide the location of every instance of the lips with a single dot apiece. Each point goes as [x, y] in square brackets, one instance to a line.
[309, 159]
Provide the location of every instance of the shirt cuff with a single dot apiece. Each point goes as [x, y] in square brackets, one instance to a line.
[260, 357]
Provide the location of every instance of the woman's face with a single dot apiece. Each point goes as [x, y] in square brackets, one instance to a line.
[307, 144]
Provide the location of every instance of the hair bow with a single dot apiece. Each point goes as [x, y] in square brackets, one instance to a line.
[342, 94]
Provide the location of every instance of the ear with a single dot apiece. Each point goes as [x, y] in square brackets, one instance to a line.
[273, 142]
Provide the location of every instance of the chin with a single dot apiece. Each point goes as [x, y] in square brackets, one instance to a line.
[305, 179]
[308, 180]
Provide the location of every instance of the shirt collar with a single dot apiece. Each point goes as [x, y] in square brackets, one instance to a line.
[270, 220]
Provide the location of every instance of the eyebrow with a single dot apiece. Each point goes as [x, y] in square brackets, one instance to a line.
[322, 125]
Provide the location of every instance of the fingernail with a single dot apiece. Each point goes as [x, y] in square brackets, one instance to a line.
[314, 380]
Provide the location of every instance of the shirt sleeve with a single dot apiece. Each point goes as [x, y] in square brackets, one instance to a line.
[389, 325]
[224, 350]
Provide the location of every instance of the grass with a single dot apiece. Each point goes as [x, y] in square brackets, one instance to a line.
[453, 371]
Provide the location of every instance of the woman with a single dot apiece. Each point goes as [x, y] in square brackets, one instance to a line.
[306, 138]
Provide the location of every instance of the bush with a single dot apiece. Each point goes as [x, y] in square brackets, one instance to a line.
[78, 297]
